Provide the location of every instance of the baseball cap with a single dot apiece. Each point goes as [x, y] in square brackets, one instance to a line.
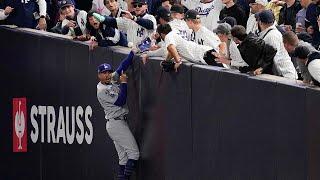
[265, 16]
[192, 14]
[104, 67]
[139, 2]
[301, 52]
[223, 28]
[177, 9]
[229, 20]
[163, 13]
[65, 3]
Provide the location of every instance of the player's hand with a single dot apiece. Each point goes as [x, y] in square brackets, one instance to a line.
[221, 58]
[318, 20]
[257, 71]
[154, 47]
[71, 24]
[127, 15]
[123, 78]
[42, 24]
[8, 10]
[144, 58]
[99, 17]
[177, 65]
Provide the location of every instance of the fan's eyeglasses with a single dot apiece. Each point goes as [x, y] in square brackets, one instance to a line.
[137, 5]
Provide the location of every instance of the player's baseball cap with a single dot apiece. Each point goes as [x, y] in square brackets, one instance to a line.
[163, 13]
[192, 14]
[65, 3]
[223, 28]
[177, 9]
[104, 67]
[229, 20]
[139, 2]
[265, 16]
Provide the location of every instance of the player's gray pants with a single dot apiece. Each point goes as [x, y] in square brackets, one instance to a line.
[123, 140]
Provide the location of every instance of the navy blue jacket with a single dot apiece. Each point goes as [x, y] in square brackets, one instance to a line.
[22, 15]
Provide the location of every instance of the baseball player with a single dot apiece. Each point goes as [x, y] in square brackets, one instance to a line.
[180, 48]
[137, 26]
[201, 34]
[75, 22]
[208, 10]
[112, 98]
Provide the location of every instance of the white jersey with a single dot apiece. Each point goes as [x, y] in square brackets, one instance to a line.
[98, 6]
[180, 27]
[188, 50]
[209, 12]
[314, 69]
[135, 32]
[81, 20]
[252, 24]
[206, 37]
[282, 61]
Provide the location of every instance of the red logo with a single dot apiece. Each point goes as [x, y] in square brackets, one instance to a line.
[19, 124]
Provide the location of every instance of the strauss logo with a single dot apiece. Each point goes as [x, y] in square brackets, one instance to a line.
[19, 124]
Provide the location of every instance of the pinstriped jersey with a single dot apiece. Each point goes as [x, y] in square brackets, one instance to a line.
[209, 12]
[135, 32]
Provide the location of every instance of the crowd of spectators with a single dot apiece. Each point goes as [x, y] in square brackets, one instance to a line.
[278, 37]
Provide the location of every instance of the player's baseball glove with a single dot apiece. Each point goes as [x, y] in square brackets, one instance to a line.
[167, 65]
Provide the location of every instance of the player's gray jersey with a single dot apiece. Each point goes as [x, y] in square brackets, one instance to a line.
[135, 32]
[107, 95]
[209, 12]
[205, 37]
[180, 27]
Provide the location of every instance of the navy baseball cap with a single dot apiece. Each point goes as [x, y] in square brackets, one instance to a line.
[65, 3]
[192, 14]
[104, 67]
[229, 20]
[265, 16]
[177, 9]
[139, 2]
[163, 13]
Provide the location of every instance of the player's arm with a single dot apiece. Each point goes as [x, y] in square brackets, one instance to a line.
[172, 51]
[146, 23]
[122, 96]
[125, 63]
[106, 20]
